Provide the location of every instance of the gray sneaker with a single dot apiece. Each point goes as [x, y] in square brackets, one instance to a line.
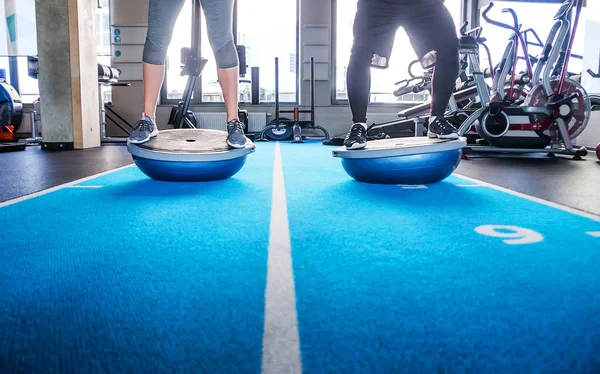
[143, 130]
[235, 134]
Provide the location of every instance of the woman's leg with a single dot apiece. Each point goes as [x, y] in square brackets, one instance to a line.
[162, 15]
[228, 79]
[154, 76]
[219, 25]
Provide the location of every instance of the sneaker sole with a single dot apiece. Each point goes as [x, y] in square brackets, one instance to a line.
[152, 135]
[236, 146]
[357, 146]
[449, 136]
[453, 136]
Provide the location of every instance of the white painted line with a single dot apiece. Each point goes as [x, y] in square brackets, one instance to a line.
[534, 199]
[281, 343]
[595, 234]
[84, 187]
[53, 189]
[412, 187]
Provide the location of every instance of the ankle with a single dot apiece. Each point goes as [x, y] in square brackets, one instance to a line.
[150, 115]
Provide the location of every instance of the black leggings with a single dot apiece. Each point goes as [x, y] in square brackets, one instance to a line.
[429, 26]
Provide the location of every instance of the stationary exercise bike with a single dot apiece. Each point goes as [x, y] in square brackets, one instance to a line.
[555, 110]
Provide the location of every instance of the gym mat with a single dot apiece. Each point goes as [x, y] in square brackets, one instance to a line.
[12, 147]
[456, 277]
[125, 274]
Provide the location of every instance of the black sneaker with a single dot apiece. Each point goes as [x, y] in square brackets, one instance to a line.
[356, 137]
[235, 134]
[442, 129]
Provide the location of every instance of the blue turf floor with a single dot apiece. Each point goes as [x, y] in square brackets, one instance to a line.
[138, 276]
[398, 280]
[146, 276]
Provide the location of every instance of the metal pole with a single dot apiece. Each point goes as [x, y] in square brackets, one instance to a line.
[312, 90]
[196, 18]
[277, 91]
[255, 85]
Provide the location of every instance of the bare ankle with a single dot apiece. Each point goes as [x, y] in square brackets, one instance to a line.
[150, 115]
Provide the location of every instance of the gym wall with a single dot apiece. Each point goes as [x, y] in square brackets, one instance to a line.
[128, 101]
[314, 37]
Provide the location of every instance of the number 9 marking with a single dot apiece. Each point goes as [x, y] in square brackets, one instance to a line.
[512, 234]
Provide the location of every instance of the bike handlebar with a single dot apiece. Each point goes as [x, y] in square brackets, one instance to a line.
[463, 30]
[500, 24]
[514, 15]
[410, 67]
[422, 85]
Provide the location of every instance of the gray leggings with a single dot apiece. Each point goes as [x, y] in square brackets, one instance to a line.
[162, 16]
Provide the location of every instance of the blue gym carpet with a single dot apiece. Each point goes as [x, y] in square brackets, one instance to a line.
[291, 266]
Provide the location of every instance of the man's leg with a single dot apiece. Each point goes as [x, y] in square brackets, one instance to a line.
[374, 31]
[162, 15]
[431, 28]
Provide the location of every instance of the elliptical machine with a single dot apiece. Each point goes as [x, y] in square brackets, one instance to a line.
[555, 110]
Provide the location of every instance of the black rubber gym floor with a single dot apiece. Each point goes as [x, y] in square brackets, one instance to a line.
[33, 170]
[560, 180]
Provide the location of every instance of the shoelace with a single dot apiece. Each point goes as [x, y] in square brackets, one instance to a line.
[444, 124]
[357, 130]
[145, 125]
[236, 126]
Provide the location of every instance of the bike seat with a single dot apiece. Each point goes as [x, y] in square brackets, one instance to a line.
[468, 42]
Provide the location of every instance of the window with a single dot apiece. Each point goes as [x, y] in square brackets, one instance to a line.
[26, 44]
[23, 27]
[182, 37]
[4, 66]
[102, 27]
[266, 35]
[262, 46]
[382, 81]
[531, 15]
[28, 87]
